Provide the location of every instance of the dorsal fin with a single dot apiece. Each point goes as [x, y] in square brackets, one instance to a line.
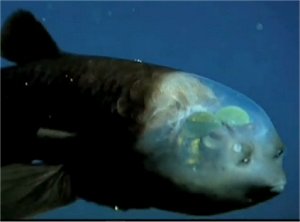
[24, 39]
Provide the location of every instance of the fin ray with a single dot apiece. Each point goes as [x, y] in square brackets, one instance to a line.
[28, 190]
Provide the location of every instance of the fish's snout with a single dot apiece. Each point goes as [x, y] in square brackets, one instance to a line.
[259, 194]
[279, 187]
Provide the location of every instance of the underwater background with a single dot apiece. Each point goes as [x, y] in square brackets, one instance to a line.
[253, 47]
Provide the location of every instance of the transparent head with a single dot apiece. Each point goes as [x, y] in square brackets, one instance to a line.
[223, 146]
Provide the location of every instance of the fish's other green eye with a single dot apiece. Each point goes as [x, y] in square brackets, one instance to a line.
[233, 115]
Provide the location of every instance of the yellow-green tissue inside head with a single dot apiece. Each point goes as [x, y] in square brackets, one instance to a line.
[195, 132]
[233, 115]
[200, 124]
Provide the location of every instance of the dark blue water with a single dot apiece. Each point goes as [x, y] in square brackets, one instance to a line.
[249, 46]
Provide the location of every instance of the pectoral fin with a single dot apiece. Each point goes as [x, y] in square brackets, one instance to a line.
[54, 134]
[28, 190]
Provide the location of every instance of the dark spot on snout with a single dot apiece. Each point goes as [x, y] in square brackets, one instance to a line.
[279, 152]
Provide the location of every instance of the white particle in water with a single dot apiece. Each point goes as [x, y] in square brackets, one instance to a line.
[116, 208]
[37, 162]
[43, 19]
[26, 83]
[138, 60]
[259, 26]
[49, 6]
[71, 80]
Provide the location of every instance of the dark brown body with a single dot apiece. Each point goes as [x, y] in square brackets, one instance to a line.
[84, 95]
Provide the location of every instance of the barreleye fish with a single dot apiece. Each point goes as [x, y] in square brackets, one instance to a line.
[125, 134]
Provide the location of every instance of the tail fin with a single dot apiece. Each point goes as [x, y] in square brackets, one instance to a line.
[24, 39]
[28, 190]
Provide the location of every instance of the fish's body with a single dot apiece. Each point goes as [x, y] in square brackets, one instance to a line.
[126, 134]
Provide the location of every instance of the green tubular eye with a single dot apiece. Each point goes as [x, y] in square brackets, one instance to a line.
[202, 117]
[233, 115]
[200, 124]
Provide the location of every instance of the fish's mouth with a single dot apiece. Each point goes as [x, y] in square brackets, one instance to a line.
[260, 194]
